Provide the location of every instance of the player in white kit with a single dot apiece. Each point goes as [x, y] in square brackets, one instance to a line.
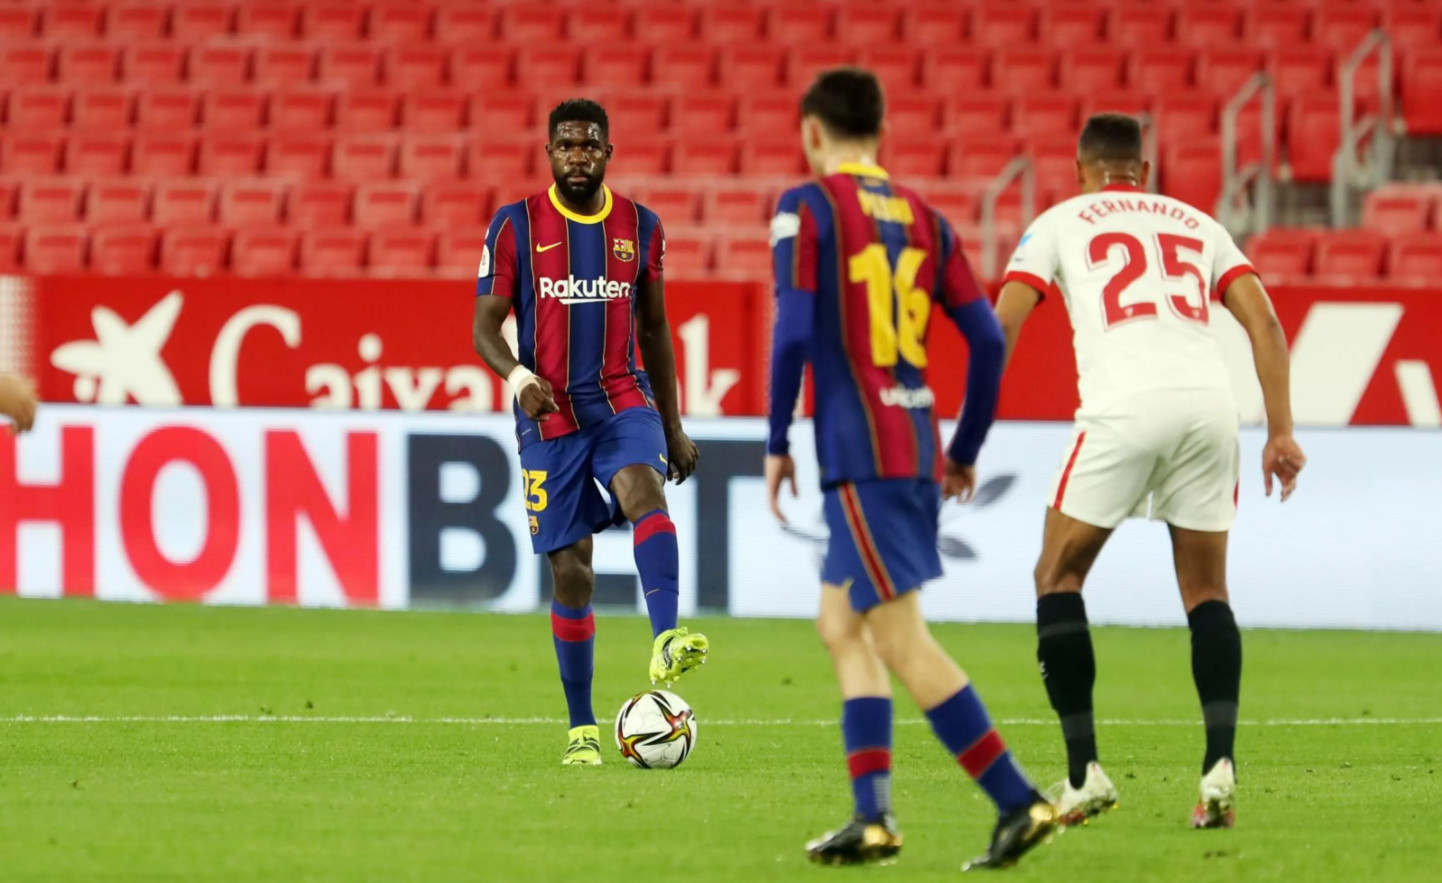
[1156, 434]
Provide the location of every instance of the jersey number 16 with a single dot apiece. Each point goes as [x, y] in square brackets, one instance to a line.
[899, 310]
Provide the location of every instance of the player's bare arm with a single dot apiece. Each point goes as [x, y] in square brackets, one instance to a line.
[654, 337]
[17, 401]
[534, 393]
[1282, 458]
[1015, 304]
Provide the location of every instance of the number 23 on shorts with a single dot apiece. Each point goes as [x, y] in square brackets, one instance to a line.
[534, 481]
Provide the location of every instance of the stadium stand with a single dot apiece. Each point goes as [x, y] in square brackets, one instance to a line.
[284, 124]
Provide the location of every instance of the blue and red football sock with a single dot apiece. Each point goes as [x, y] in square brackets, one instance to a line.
[962, 725]
[574, 632]
[659, 563]
[866, 731]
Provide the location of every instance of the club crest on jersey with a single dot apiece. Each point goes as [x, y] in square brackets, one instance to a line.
[623, 249]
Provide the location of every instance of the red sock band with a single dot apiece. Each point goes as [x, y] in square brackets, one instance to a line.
[982, 754]
[573, 630]
[652, 523]
[868, 760]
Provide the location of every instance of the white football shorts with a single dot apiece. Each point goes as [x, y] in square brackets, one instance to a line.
[1170, 456]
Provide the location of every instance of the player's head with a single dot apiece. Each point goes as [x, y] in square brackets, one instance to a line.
[1109, 151]
[579, 146]
[843, 107]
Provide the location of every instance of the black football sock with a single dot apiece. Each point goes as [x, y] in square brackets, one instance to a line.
[1217, 669]
[1068, 668]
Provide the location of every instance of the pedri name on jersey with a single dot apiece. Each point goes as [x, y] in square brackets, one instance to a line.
[1104, 207]
[578, 291]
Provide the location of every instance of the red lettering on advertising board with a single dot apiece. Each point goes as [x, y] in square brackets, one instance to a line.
[70, 503]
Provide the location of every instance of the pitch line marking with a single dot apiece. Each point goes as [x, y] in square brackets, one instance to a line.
[555, 721]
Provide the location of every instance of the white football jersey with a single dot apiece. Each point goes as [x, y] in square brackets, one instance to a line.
[1138, 272]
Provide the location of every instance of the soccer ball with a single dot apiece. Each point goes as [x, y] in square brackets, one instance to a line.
[655, 730]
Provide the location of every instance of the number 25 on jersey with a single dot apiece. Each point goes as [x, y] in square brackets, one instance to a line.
[1108, 248]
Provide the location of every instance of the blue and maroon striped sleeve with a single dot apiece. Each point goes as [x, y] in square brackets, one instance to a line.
[794, 245]
[497, 272]
[966, 304]
[652, 244]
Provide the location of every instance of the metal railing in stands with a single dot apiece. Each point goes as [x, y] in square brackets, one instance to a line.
[1237, 179]
[1020, 167]
[1349, 174]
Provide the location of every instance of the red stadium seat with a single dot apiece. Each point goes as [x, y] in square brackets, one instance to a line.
[748, 68]
[284, 67]
[769, 157]
[974, 117]
[1054, 159]
[194, 252]
[912, 118]
[319, 204]
[598, 25]
[1072, 26]
[616, 67]
[353, 66]
[933, 26]
[18, 23]
[1207, 25]
[1160, 70]
[155, 64]
[1114, 101]
[498, 161]
[230, 155]
[640, 112]
[552, 65]
[1192, 172]
[31, 154]
[665, 25]
[1043, 115]
[366, 111]
[732, 24]
[336, 252]
[895, 66]
[804, 63]
[26, 65]
[263, 252]
[253, 203]
[297, 156]
[431, 158]
[1091, 70]
[1023, 71]
[688, 255]
[954, 71]
[379, 206]
[50, 201]
[127, 250]
[983, 158]
[184, 203]
[102, 109]
[1349, 257]
[482, 67]
[72, 22]
[712, 157]
[866, 26]
[511, 113]
[225, 66]
[760, 114]
[193, 23]
[162, 110]
[415, 66]
[118, 201]
[1283, 256]
[458, 251]
[403, 254]
[1422, 92]
[1003, 25]
[1314, 136]
[1276, 26]
[1415, 259]
[1224, 71]
[1397, 209]
[911, 160]
[327, 23]
[1185, 118]
[678, 205]
[55, 250]
[455, 205]
[1300, 70]
[163, 156]
[224, 111]
[433, 112]
[1413, 26]
[684, 68]
[1138, 26]
[397, 22]
[97, 155]
[37, 109]
[957, 206]
[744, 258]
[11, 240]
[363, 158]
[799, 25]
[1342, 28]
[270, 22]
[462, 25]
[532, 24]
[640, 157]
[86, 65]
[9, 195]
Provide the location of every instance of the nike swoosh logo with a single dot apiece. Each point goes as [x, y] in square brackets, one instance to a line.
[545, 248]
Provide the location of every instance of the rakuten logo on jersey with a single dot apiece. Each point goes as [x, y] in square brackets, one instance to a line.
[579, 291]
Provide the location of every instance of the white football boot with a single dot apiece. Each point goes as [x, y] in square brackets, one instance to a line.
[1217, 807]
[1096, 795]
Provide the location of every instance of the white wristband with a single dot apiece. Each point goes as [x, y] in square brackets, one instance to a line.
[520, 378]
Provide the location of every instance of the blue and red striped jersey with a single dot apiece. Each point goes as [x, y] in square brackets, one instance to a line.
[873, 260]
[575, 279]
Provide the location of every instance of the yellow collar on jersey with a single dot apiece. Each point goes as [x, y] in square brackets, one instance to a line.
[866, 171]
[597, 218]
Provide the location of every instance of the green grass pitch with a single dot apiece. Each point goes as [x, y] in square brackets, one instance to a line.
[425, 747]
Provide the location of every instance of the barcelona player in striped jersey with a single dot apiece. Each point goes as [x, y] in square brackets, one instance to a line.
[581, 268]
[860, 264]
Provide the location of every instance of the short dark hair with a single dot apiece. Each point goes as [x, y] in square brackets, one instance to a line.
[579, 110]
[1110, 137]
[848, 101]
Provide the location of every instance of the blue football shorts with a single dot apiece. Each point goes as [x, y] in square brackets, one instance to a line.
[883, 538]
